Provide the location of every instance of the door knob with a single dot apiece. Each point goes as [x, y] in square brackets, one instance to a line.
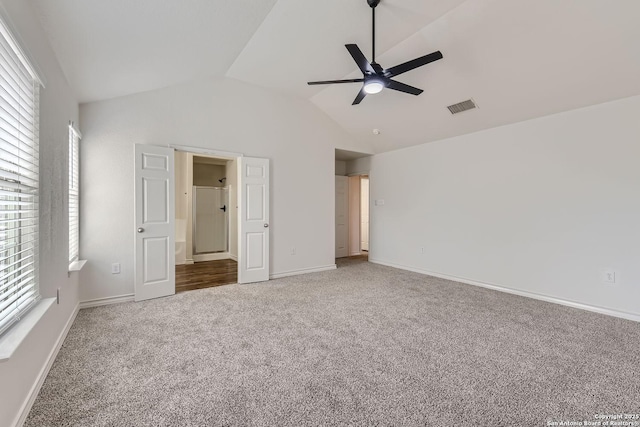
[266, 226]
[140, 230]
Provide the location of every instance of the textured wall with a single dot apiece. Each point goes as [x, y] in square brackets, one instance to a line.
[57, 106]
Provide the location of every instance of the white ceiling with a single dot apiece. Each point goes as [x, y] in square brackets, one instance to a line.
[117, 47]
[518, 59]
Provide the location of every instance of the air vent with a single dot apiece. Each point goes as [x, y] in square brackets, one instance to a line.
[462, 106]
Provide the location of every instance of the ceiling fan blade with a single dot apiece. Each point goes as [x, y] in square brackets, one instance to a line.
[410, 65]
[392, 84]
[360, 96]
[328, 82]
[360, 59]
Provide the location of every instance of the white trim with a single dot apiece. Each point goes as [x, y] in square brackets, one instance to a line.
[74, 129]
[302, 271]
[42, 375]
[13, 337]
[541, 297]
[198, 150]
[77, 265]
[106, 301]
[233, 257]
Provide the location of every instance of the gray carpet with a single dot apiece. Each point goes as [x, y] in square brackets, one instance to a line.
[361, 345]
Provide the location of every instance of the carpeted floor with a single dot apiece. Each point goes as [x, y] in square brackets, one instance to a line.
[361, 345]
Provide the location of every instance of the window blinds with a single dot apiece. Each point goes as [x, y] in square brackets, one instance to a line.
[19, 164]
[74, 194]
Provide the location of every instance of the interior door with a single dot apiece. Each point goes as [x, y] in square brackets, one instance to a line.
[155, 274]
[253, 228]
[342, 216]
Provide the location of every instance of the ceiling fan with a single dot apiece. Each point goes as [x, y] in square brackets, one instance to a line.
[375, 78]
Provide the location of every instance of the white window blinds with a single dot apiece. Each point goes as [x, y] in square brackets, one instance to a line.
[74, 194]
[19, 165]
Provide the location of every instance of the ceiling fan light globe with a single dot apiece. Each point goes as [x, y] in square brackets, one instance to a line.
[373, 87]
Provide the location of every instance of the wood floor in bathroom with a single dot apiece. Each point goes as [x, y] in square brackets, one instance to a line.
[206, 274]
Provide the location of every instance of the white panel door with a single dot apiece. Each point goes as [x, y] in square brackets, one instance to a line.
[155, 274]
[342, 216]
[253, 228]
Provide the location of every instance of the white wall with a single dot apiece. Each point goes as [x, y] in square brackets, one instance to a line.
[358, 166]
[219, 114]
[208, 175]
[58, 105]
[539, 206]
[341, 167]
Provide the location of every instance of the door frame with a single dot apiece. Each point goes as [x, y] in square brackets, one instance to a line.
[228, 155]
[212, 153]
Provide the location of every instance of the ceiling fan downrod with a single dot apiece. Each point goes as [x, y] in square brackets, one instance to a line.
[373, 4]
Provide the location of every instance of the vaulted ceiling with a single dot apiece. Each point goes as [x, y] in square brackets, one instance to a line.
[518, 59]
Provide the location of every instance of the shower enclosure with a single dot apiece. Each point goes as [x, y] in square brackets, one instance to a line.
[210, 220]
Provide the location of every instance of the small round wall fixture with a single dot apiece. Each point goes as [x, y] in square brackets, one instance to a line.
[376, 131]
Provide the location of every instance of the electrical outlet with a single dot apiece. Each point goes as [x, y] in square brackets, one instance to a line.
[379, 202]
[293, 251]
[609, 276]
[115, 268]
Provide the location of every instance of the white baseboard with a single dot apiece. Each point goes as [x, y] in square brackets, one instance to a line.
[302, 271]
[547, 298]
[106, 301]
[42, 375]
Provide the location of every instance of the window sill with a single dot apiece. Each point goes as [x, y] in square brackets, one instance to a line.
[77, 265]
[11, 340]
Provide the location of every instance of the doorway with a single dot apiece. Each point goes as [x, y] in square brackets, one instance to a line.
[155, 244]
[359, 216]
[206, 221]
[352, 205]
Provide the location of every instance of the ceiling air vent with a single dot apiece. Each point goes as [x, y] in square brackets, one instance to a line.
[462, 106]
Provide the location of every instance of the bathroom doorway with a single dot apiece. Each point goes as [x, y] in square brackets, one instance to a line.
[206, 221]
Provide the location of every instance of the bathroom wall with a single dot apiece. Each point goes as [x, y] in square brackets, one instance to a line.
[232, 183]
[180, 161]
[208, 175]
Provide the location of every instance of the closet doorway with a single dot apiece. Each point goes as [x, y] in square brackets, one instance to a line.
[359, 216]
[206, 221]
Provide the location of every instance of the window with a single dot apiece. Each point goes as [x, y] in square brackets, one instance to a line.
[74, 194]
[19, 86]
